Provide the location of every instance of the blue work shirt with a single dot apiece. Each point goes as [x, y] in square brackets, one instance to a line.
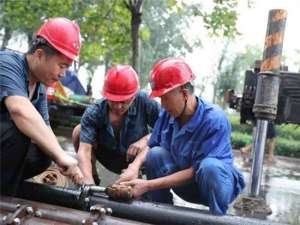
[96, 126]
[206, 134]
[14, 82]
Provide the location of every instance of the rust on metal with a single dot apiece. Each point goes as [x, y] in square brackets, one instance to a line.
[271, 63]
[279, 14]
[119, 192]
[274, 39]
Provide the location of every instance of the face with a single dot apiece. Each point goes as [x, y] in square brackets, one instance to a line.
[121, 107]
[173, 102]
[50, 69]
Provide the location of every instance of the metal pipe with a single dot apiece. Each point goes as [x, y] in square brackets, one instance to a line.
[266, 99]
[35, 211]
[147, 212]
[258, 155]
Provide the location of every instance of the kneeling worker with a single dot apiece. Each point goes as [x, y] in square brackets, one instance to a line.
[190, 148]
[115, 129]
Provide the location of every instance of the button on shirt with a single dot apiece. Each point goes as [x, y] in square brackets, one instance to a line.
[96, 126]
[206, 134]
[14, 82]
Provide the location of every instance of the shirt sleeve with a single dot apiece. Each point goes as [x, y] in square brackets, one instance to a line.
[155, 137]
[89, 126]
[42, 105]
[11, 81]
[152, 110]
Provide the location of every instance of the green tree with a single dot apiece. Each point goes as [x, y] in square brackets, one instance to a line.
[165, 28]
[232, 71]
[107, 27]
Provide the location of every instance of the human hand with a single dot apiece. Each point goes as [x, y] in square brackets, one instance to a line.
[130, 173]
[68, 166]
[135, 148]
[138, 187]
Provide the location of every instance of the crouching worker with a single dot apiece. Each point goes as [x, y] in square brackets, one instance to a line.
[190, 148]
[24, 112]
[115, 129]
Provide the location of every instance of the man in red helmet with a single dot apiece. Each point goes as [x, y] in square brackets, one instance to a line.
[115, 129]
[27, 142]
[190, 148]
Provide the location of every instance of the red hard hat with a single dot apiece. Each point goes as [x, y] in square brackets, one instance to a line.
[63, 35]
[168, 74]
[121, 83]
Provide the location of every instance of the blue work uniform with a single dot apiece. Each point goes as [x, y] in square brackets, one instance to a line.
[202, 143]
[96, 129]
[19, 158]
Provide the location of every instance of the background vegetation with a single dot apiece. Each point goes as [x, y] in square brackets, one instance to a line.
[287, 141]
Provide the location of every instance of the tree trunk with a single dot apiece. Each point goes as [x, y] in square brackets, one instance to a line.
[135, 7]
[6, 37]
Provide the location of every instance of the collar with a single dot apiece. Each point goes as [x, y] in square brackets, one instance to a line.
[132, 111]
[192, 124]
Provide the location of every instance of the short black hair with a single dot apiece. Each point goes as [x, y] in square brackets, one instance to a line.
[189, 86]
[41, 43]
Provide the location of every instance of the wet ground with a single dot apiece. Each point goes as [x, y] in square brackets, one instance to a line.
[280, 185]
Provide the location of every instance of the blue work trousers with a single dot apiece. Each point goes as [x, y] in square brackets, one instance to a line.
[216, 184]
[19, 158]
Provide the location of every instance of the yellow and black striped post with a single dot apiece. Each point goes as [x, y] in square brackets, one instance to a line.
[266, 99]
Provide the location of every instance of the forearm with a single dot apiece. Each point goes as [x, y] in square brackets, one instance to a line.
[31, 124]
[174, 180]
[146, 138]
[139, 160]
[85, 161]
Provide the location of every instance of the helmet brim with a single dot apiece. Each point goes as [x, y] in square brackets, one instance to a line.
[118, 98]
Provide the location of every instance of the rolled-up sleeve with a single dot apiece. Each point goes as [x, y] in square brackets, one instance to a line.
[89, 126]
[152, 110]
[11, 82]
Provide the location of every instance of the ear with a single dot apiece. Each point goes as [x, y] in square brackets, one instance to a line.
[185, 92]
[39, 53]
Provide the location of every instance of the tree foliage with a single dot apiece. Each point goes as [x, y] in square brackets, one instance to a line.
[106, 26]
[231, 74]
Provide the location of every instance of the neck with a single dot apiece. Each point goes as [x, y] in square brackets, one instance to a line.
[31, 77]
[191, 106]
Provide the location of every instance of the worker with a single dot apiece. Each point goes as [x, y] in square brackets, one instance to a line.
[27, 142]
[190, 149]
[270, 144]
[115, 129]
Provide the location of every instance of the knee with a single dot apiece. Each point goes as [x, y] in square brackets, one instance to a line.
[75, 137]
[155, 154]
[209, 172]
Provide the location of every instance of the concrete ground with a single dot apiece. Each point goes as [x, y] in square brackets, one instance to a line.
[280, 186]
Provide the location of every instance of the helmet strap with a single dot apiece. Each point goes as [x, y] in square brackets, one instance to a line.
[184, 107]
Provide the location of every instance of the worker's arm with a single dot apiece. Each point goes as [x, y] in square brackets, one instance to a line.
[132, 171]
[85, 163]
[135, 148]
[140, 186]
[31, 124]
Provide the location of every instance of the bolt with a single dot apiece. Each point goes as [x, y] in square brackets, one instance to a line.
[38, 213]
[17, 221]
[86, 199]
[94, 223]
[83, 222]
[108, 211]
[18, 206]
[102, 211]
[29, 210]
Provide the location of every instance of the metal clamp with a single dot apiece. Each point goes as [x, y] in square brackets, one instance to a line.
[17, 215]
[97, 212]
